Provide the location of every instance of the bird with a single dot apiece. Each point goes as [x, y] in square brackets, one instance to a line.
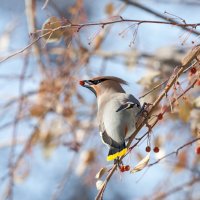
[117, 113]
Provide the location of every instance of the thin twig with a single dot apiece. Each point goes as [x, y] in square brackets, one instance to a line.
[102, 24]
[174, 152]
[45, 4]
[157, 14]
[153, 89]
[178, 188]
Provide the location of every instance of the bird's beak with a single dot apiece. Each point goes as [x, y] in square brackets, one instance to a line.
[86, 84]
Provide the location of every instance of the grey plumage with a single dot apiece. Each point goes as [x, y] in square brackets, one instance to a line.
[117, 112]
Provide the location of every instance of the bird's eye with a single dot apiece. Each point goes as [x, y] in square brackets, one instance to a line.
[97, 81]
[91, 82]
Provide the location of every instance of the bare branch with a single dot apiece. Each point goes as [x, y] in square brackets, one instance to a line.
[178, 188]
[102, 24]
[174, 152]
[147, 9]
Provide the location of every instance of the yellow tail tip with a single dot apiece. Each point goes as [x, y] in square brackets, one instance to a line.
[118, 154]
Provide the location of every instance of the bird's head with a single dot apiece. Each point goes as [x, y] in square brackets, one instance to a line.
[99, 85]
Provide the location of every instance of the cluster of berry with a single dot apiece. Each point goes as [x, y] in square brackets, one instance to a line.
[155, 149]
[124, 168]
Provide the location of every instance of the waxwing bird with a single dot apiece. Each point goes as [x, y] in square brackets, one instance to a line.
[117, 112]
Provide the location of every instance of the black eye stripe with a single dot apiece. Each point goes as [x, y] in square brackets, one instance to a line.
[95, 82]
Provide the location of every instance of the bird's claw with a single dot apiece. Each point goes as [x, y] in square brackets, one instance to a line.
[144, 110]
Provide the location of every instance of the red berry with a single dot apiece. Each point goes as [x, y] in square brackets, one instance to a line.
[81, 83]
[160, 116]
[122, 168]
[156, 149]
[197, 150]
[165, 108]
[148, 149]
[198, 83]
[127, 168]
[193, 70]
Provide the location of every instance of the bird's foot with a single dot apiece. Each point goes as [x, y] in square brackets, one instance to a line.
[143, 114]
[144, 110]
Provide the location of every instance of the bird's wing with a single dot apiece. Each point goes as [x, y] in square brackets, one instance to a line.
[128, 101]
[106, 139]
[131, 98]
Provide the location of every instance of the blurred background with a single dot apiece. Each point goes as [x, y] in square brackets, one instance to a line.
[49, 142]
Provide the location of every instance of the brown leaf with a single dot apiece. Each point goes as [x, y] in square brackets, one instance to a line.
[149, 79]
[182, 161]
[184, 111]
[109, 9]
[48, 150]
[38, 110]
[88, 156]
[101, 172]
[158, 141]
[195, 52]
[51, 30]
[142, 164]
[68, 112]
[195, 121]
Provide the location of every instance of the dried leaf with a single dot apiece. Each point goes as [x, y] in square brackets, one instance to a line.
[195, 121]
[99, 184]
[69, 33]
[101, 172]
[149, 79]
[68, 112]
[197, 102]
[109, 9]
[38, 110]
[138, 155]
[195, 52]
[142, 164]
[158, 141]
[51, 30]
[182, 161]
[88, 156]
[184, 111]
[98, 39]
[48, 150]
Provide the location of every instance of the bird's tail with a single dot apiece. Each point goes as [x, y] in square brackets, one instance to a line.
[116, 152]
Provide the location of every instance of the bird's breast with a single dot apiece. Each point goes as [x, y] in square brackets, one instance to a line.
[118, 125]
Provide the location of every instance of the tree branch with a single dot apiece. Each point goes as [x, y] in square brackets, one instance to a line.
[147, 9]
[102, 24]
[178, 188]
[174, 152]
